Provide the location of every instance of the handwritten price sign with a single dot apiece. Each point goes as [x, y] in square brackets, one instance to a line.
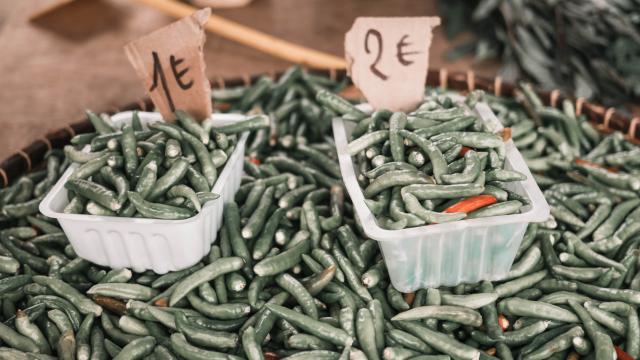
[171, 65]
[388, 59]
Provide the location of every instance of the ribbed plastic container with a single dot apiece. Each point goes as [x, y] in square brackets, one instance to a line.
[148, 244]
[447, 254]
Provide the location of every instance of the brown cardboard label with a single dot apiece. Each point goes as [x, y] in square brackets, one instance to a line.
[170, 63]
[388, 58]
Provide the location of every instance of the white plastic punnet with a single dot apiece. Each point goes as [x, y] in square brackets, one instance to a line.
[148, 244]
[451, 253]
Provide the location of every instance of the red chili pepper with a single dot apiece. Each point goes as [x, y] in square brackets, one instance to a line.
[162, 302]
[409, 297]
[470, 204]
[464, 150]
[503, 322]
[622, 355]
[270, 356]
[491, 351]
[254, 160]
[589, 163]
[506, 134]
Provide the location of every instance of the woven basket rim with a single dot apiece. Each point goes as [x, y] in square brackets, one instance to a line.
[605, 119]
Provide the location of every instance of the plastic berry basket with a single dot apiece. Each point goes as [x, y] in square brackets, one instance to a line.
[447, 254]
[148, 244]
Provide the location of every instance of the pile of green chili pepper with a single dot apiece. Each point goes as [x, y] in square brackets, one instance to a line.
[163, 172]
[437, 164]
[293, 276]
[587, 49]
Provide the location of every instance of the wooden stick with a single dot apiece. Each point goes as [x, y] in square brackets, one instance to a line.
[252, 38]
[47, 8]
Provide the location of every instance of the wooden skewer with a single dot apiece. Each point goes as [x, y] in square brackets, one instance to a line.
[47, 8]
[250, 37]
[221, 4]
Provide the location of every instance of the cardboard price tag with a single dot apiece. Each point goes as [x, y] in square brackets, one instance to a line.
[170, 63]
[388, 58]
